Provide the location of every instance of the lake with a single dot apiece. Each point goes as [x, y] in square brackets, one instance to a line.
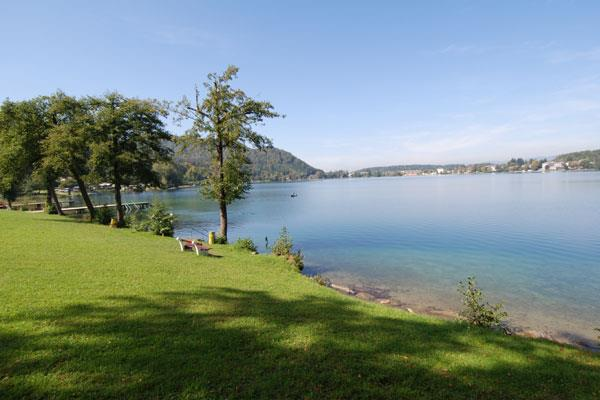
[531, 240]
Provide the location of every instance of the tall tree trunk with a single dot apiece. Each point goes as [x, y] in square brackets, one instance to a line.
[120, 214]
[9, 203]
[55, 198]
[84, 194]
[222, 203]
[223, 212]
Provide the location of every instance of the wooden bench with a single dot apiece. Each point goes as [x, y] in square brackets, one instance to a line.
[187, 244]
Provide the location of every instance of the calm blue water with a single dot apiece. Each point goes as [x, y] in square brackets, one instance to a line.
[532, 240]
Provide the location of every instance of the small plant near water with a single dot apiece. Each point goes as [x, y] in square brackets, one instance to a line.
[245, 244]
[157, 220]
[104, 215]
[283, 247]
[321, 280]
[220, 240]
[476, 310]
[297, 260]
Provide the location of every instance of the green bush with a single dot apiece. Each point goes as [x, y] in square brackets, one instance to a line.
[245, 244]
[283, 245]
[476, 310]
[138, 221]
[321, 280]
[104, 215]
[297, 260]
[51, 208]
[220, 240]
[157, 220]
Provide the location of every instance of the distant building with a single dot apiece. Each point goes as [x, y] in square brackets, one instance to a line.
[552, 166]
[440, 171]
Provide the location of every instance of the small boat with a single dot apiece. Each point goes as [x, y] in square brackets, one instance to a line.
[294, 194]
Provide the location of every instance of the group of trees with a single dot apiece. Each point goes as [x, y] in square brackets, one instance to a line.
[110, 138]
[123, 140]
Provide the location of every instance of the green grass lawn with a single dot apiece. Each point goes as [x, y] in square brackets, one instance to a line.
[92, 312]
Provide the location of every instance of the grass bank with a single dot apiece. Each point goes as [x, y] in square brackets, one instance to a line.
[91, 312]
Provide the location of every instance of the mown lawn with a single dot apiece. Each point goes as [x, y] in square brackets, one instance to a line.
[91, 312]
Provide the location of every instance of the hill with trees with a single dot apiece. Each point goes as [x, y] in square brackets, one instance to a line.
[191, 165]
[588, 159]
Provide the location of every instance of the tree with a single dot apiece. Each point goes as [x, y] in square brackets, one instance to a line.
[130, 137]
[66, 149]
[23, 125]
[224, 121]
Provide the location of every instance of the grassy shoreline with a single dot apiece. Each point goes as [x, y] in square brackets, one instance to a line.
[92, 312]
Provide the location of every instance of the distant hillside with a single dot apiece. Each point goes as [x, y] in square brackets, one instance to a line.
[277, 164]
[589, 159]
[192, 165]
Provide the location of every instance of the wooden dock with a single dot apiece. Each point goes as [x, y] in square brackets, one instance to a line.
[39, 205]
[129, 207]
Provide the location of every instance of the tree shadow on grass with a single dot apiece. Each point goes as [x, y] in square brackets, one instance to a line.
[228, 343]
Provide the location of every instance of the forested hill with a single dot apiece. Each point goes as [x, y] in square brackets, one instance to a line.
[277, 164]
[191, 166]
[587, 159]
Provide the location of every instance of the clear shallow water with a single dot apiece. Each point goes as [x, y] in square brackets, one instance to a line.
[532, 240]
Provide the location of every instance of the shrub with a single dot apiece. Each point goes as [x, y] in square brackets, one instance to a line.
[283, 245]
[321, 280]
[245, 244]
[476, 310]
[157, 220]
[297, 260]
[138, 221]
[161, 221]
[51, 208]
[220, 240]
[104, 215]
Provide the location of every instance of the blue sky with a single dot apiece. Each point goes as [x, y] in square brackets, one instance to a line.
[362, 83]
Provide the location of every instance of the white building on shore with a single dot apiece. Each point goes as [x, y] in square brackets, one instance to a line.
[552, 166]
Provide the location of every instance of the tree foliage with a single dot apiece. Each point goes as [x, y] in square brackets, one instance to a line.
[66, 149]
[129, 139]
[23, 125]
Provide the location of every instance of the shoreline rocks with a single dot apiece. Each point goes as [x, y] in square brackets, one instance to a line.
[382, 296]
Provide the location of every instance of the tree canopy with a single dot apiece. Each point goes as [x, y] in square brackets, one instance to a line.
[66, 149]
[129, 138]
[23, 125]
